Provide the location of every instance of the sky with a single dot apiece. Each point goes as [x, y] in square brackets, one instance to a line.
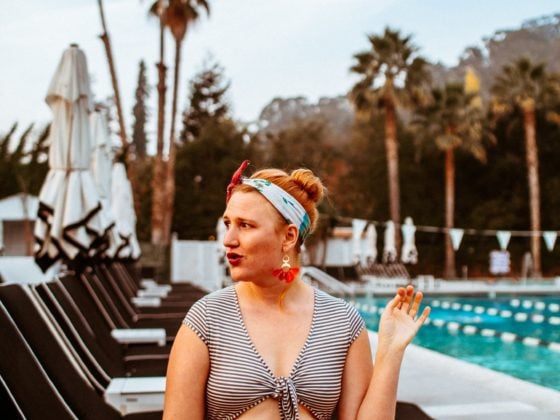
[268, 48]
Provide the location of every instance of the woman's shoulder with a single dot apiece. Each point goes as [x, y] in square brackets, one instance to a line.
[217, 297]
[225, 294]
[325, 299]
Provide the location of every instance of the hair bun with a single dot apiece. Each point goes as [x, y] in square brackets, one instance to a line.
[309, 183]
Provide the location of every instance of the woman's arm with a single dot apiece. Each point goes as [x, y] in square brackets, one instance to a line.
[398, 326]
[355, 377]
[187, 373]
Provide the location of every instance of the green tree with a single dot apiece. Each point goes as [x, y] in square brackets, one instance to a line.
[529, 87]
[303, 144]
[207, 101]
[213, 147]
[452, 119]
[23, 170]
[204, 168]
[140, 113]
[391, 75]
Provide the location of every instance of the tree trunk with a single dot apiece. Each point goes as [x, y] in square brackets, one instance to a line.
[533, 179]
[122, 127]
[450, 271]
[158, 178]
[392, 151]
[170, 173]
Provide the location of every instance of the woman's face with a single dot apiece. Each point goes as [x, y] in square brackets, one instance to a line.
[254, 236]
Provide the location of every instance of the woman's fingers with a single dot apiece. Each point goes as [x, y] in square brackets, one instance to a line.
[416, 304]
[395, 302]
[422, 318]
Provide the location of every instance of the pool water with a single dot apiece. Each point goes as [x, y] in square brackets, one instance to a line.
[519, 336]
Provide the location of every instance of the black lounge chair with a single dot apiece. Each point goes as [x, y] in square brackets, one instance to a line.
[27, 391]
[178, 293]
[75, 385]
[101, 322]
[107, 359]
[123, 316]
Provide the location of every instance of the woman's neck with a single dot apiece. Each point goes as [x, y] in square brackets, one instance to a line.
[280, 294]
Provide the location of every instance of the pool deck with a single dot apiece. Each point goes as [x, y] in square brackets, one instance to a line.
[450, 389]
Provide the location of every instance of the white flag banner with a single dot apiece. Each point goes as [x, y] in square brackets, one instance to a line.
[456, 237]
[550, 239]
[358, 226]
[503, 238]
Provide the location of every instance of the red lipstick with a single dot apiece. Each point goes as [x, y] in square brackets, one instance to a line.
[233, 258]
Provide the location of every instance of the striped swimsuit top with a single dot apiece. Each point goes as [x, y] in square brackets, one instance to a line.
[239, 378]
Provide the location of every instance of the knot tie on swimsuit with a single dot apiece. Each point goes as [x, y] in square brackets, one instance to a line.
[285, 391]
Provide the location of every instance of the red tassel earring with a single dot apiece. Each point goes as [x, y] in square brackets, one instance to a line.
[286, 272]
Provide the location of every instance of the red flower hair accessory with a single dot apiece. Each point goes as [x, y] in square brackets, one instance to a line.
[236, 178]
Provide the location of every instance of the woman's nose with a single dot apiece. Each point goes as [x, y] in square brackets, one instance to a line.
[230, 238]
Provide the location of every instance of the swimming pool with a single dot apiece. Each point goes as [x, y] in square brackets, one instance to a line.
[516, 335]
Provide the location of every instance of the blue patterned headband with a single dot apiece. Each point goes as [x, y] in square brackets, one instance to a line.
[285, 203]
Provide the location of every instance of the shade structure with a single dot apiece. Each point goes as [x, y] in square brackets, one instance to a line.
[69, 224]
[122, 206]
[409, 253]
[101, 168]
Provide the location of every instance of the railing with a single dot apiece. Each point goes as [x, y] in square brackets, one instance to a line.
[326, 281]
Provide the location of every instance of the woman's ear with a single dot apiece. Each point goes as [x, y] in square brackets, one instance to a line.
[291, 238]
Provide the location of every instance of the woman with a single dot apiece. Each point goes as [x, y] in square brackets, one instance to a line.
[271, 346]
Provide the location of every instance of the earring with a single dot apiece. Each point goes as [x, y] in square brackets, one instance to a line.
[286, 264]
[286, 272]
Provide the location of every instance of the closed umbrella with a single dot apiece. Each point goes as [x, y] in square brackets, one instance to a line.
[69, 225]
[122, 206]
[101, 168]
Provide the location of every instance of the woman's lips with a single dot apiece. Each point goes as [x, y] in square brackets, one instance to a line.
[233, 259]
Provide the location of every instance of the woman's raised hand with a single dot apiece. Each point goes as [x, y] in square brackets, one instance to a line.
[400, 320]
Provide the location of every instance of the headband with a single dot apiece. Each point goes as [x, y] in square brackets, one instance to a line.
[285, 203]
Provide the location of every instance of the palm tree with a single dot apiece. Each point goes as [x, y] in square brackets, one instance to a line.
[451, 119]
[528, 87]
[177, 16]
[158, 178]
[392, 74]
[122, 126]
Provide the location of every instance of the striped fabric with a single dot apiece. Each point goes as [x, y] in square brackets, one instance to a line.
[240, 379]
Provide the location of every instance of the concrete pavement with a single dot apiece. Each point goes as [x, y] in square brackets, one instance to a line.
[450, 389]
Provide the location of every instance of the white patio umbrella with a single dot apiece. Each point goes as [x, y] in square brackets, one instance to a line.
[409, 253]
[101, 168]
[122, 207]
[69, 225]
